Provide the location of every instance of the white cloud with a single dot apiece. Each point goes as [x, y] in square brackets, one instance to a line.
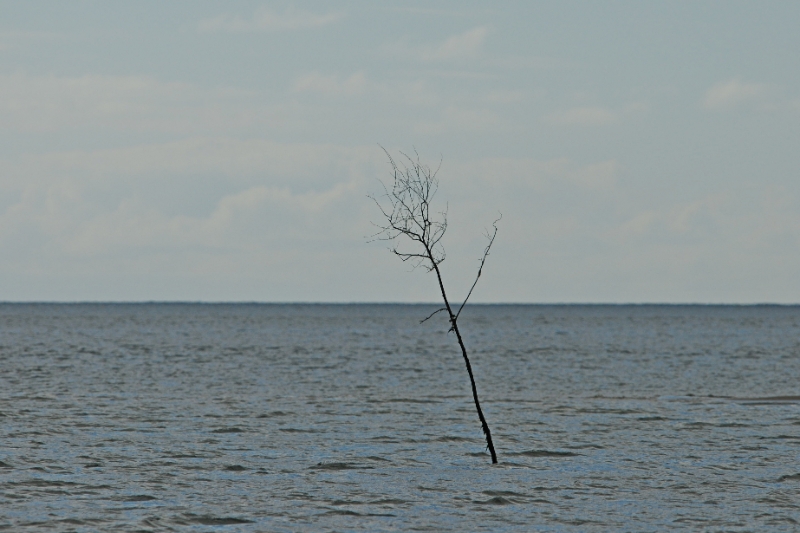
[601, 175]
[245, 220]
[635, 107]
[583, 116]
[506, 97]
[10, 40]
[511, 173]
[303, 166]
[136, 106]
[595, 115]
[113, 213]
[456, 47]
[120, 103]
[636, 226]
[455, 118]
[114, 202]
[689, 218]
[266, 20]
[703, 219]
[732, 93]
[315, 82]
[413, 93]
[533, 62]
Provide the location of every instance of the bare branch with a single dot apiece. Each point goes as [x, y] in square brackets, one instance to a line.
[431, 315]
[480, 268]
[406, 208]
[410, 218]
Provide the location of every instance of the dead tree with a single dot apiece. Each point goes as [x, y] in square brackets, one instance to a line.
[416, 232]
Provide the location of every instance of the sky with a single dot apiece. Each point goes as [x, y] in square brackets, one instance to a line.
[639, 152]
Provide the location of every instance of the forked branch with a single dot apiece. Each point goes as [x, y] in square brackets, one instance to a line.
[409, 220]
[483, 260]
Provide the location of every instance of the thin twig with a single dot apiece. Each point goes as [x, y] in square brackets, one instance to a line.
[407, 212]
[480, 268]
[431, 315]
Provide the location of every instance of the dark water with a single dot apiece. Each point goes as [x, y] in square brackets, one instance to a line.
[161, 417]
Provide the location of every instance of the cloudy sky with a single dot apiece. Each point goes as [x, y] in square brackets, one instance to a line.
[224, 151]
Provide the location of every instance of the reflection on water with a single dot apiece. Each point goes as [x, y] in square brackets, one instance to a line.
[159, 417]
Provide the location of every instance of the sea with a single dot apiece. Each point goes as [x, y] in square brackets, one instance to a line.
[152, 417]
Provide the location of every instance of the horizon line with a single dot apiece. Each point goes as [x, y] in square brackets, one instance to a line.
[300, 302]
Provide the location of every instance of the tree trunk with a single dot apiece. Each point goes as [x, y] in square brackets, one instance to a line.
[484, 425]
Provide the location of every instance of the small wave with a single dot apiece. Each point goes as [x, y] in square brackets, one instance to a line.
[767, 400]
[389, 501]
[377, 458]
[790, 477]
[504, 493]
[345, 512]
[45, 483]
[340, 466]
[274, 413]
[138, 498]
[79, 521]
[228, 430]
[405, 400]
[478, 454]
[385, 439]
[546, 453]
[453, 438]
[497, 500]
[207, 520]
[780, 437]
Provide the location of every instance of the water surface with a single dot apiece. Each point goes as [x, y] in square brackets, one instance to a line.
[192, 417]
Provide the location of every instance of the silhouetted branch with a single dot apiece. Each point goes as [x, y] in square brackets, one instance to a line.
[483, 260]
[431, 315]
[406, 211]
